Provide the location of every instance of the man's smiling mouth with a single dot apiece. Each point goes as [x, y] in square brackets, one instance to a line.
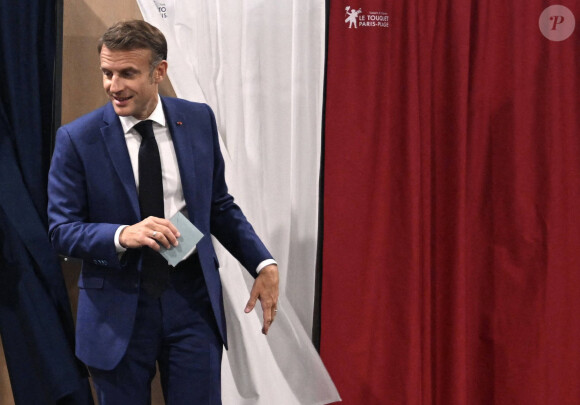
[121, 100]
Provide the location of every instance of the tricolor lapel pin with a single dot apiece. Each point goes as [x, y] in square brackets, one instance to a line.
[179, 123]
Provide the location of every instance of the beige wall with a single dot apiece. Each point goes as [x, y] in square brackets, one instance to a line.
[84, 22]
[5, 390]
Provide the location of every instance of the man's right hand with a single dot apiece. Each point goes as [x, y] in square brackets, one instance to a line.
[150, 232]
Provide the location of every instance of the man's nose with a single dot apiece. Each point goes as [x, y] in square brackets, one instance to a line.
[116, 84]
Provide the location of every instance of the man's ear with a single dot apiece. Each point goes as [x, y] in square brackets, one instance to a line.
[160, 71]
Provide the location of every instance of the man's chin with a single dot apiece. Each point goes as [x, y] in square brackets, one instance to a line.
[121, 111]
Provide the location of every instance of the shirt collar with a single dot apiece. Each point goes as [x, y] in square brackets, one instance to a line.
[157, 116]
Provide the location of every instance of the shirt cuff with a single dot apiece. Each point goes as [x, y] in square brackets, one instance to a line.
[120, 249]
[264, 264]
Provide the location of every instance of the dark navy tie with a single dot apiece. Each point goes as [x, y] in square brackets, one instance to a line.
[154, 267]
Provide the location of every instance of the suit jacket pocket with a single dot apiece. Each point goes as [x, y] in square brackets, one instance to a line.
[91, 280]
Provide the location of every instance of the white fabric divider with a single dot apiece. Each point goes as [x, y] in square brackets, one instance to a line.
[259, 64]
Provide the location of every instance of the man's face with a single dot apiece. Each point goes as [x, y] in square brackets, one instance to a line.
[129, 82]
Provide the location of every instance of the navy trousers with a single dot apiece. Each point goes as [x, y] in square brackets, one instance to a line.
[177, 331]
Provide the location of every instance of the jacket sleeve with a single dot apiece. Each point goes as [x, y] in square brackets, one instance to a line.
[70, 229]
[228, 223]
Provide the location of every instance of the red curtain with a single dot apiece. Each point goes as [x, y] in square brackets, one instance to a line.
[451, 254]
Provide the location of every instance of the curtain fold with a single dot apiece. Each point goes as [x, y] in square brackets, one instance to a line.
[259, 65]
[451, 173]
[36, 323]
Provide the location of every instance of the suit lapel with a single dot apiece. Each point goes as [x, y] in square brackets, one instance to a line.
[114, 138]
[182, 131]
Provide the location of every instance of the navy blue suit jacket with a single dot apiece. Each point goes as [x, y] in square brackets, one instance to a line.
[92, 192]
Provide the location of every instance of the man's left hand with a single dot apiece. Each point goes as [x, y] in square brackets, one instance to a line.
[265, 289]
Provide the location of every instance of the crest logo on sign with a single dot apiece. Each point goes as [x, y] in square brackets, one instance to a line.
[352, 18]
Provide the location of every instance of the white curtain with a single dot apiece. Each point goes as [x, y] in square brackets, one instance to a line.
[259, 64]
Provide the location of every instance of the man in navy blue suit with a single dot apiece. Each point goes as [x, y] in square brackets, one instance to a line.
[96, 213]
